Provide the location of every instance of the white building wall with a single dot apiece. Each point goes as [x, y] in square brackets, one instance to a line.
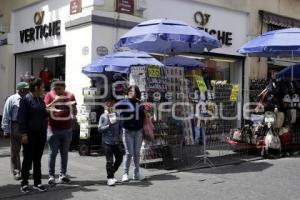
[6, 73]
[78, 54]
[222, 19]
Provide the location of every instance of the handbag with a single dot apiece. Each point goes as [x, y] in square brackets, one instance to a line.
[148, 129]
[279, 119]
[260, 106]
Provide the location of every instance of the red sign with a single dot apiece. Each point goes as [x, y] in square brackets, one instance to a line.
[75, 6]
[125, 6]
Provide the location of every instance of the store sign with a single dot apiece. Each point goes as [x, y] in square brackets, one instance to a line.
[234, 93]
[125, 6]
[202, 19]
[75, 6]
[154, 71]
[41, 30]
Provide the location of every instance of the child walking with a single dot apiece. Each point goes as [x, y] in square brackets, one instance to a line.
[109, 126]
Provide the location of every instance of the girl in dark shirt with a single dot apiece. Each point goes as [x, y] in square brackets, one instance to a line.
[32, 118]
[132, 116]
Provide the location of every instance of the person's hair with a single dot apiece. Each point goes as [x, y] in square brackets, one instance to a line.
[136, 90]
[35, 83]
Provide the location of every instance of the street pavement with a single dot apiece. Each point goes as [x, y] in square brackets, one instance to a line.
[277, 179]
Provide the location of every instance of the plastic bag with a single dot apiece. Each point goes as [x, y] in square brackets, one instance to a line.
[148, 129]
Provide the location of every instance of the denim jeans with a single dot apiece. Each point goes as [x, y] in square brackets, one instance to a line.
[58, 140]
[199, 135]
[132, 141]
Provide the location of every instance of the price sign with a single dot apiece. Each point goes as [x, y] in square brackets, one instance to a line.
[234, 93]
[154, 71]
[201, 83]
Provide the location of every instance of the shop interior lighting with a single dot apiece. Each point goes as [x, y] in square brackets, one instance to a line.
[223, 60]
[53, 55]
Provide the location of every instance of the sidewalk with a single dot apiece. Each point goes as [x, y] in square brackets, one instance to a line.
[83, 171]
[90, 171]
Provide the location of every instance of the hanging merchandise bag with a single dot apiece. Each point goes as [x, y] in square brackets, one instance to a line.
[148, 129]
[292, 115]
[279, 119]
[295, 100]
[260, 106]
[272, 141]
[285, 136]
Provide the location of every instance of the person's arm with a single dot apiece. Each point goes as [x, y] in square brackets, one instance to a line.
[74, 107]
[22, 120]
[6, 117]
[103, 123]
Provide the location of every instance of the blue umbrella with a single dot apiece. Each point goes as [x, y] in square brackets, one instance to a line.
[119, 62]
[279, 43]
[166, 36]
[291, 72]
[183, 62]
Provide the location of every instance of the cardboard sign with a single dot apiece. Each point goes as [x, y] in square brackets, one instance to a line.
[234, 93]
[201, 83]
[154, 71]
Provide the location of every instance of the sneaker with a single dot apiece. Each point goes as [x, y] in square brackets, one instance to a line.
[111, 182]
[125, 178]
[115, 180]
[51, 181]
[17, 175]
[25, 189]
[40, 188]
[138, 177]
[63, 179]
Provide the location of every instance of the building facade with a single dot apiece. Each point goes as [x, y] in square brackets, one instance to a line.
[65, 35]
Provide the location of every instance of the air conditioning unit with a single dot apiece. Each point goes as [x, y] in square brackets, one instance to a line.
[141, 5]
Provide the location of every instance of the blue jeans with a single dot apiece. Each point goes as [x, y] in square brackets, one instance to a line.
[132, 141]
[58, 140]
[199, 135]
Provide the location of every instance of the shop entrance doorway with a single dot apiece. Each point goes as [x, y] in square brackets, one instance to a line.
[47, 64]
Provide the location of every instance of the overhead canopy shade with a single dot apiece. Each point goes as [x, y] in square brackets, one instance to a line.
[278, 20]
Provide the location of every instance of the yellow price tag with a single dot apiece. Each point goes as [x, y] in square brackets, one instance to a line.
[201, 84]
[234, 93]
[154, 71]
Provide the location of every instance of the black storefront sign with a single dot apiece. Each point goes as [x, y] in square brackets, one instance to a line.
[224, 37]
[202, 19]
[40, 32]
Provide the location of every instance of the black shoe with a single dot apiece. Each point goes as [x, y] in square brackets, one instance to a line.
[40, 188]
[25, 189]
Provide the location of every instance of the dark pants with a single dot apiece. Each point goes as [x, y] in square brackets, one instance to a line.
[15, 148]
[32, 153]
[112, 151]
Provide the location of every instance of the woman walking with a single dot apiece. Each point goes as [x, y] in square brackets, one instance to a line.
[132, 127]
[32, 118]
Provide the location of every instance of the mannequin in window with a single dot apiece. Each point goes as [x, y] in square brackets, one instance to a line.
[46, 77]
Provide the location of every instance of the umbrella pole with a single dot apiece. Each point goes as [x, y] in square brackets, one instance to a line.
[292, 72]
